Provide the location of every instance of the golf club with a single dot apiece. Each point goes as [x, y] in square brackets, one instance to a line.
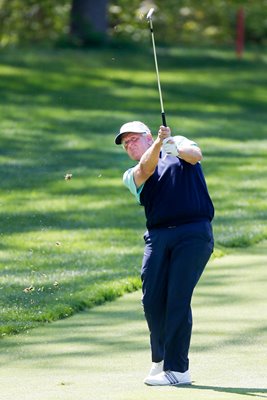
[149, 18]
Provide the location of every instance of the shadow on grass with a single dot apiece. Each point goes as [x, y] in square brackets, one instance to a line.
[59, 115]
[255, 392]
[84, 88]
[90, 334]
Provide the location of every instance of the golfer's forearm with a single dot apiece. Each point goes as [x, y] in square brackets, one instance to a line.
[150, 158]
[190, 154]
[147, 164]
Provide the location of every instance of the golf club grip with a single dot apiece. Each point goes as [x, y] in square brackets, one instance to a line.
[163, 119]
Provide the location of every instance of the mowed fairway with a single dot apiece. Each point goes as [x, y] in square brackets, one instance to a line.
[67, 245]
[104, 353]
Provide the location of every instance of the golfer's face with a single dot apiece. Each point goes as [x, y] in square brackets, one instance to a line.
[136, 144]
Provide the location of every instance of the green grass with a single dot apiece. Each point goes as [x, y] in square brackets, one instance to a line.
[72, 358]
[59, 112]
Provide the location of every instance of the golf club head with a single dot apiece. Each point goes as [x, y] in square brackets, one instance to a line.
[149, 14]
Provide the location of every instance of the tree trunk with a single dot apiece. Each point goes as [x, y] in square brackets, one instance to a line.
[88, 21]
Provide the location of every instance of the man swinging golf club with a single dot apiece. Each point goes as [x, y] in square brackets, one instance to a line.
[169, 183]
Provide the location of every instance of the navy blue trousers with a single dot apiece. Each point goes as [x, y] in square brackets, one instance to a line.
[174, 259]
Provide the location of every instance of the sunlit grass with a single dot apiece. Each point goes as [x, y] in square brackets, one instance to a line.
[79, 242]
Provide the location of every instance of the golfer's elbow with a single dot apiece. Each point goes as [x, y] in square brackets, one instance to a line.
[191, 155]
[141, 174]
[147, 170]
[196, 157]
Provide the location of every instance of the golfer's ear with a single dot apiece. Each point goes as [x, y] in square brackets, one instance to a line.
[149, 138]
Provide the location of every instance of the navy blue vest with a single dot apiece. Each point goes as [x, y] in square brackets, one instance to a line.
[176, 194]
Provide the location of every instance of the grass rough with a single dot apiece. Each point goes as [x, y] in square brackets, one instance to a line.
[77, 241]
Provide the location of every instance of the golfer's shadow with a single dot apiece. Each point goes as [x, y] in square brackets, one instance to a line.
[256, 392]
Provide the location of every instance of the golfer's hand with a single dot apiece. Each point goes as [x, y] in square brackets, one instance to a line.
[163, 133]
[170, 147]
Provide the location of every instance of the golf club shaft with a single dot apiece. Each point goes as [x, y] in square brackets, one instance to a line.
[157, 71]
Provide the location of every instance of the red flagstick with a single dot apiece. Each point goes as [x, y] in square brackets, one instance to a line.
[240, 32]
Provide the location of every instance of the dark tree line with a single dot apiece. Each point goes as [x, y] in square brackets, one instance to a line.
[86, 22]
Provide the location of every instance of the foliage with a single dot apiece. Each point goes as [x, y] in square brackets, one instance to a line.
[192, 21]
[189, 21]
[32, 21]
[65, 242]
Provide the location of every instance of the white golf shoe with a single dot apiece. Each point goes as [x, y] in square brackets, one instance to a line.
[155, 369]
[168, 378]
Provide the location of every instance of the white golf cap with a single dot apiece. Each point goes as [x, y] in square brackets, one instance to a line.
[131, 127]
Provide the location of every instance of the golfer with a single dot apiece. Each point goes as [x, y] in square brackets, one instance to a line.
[168, 181]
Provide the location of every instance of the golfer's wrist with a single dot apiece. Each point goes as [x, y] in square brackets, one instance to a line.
[158, 142]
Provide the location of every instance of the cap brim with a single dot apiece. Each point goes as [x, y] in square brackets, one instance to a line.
[118, 138]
